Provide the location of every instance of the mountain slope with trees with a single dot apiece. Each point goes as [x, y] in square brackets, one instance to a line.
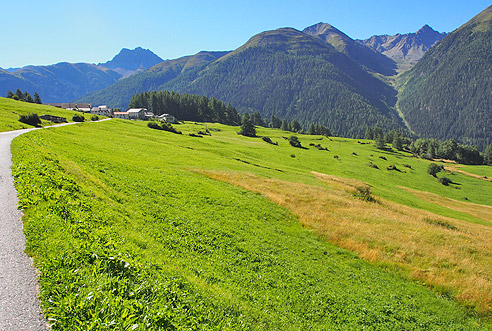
[292, 75]
[447, 94]
[359, 53]
[119, 94]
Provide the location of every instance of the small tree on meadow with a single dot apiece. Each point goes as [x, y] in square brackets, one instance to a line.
[247, 127]
[433, 169]
[37, 98]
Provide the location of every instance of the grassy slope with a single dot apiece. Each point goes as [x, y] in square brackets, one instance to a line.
[10, 110]
[124, 234]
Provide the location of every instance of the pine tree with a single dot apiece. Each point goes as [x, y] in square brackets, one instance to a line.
[285, 126]
[37, 98]
[19, 94]
[487, 156]
[10, 94]
[247, 127]
[295, 126]
[312, 129]
[369, 134]
[397, 142]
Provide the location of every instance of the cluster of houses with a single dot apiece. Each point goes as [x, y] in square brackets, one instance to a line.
[130, 114]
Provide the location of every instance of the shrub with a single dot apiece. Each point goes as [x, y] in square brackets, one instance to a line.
[162, 125]
[364, 193]
[392, 167]
[78, 118]
[31, 119]
[294, 142]
[445, 181]
[372, 165]
[434, 169]
[268, 140]
[444, 224]
[94, 118]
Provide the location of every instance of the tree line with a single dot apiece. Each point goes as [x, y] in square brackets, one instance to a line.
[186, 107]
[26, 97]
[429, 148]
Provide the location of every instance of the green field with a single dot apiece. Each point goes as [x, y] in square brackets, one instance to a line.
[129, 231]
[10, 110]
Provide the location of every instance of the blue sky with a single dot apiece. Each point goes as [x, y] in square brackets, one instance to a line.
[51, 31]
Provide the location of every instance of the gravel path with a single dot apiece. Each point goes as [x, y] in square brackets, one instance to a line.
[19, 306]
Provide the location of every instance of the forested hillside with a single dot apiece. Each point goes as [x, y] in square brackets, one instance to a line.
[289, 74]
[119, 94]
[447, 94]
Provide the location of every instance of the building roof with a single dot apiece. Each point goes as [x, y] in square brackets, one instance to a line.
[120, 113]
[136, 110]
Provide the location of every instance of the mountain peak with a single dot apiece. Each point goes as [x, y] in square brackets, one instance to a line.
[132, 60]
[425, 28]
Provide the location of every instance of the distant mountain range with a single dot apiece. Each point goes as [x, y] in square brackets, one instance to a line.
[405, 49]
[63, 82]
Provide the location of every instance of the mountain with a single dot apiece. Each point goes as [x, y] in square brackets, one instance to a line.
[127, 61]
[359, 53]
[119, 94]
[64, 82]
[405, 49]
[284, 72]
[60, 82]
[448, 93]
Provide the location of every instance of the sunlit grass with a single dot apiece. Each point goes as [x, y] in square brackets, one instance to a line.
[127, 232]
[449, 254]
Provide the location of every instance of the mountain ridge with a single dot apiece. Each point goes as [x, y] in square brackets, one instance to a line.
[405, 49]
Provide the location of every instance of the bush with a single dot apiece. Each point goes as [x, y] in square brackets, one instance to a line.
[364, 193]
[78, 118]
[294, 142]
[94, 118]
[268, 140]
[445, 181]
[162, 125]
[434, 169]
[31, 119]
[392, 167]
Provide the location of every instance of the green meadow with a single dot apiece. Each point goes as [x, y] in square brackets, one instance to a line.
[11, 110]
[140, 229]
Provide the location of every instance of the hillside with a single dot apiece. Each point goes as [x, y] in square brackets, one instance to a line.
[65, 82]
[292, 75]
[10, 110]
[120, 93]
[447, 94]
[234, 233]
[285, 73]
[61, 82]
[359, 53]
[405, 49]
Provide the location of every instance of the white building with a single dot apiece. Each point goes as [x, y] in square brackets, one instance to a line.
[137, 113]
[121, 114]
[101, 111]
[168, 118]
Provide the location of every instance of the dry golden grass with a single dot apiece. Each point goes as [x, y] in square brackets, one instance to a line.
[448, 254]
[456, 168]
[482, 212]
